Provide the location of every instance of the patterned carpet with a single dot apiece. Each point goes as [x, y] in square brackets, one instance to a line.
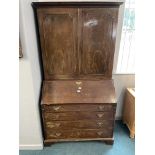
[123, 145]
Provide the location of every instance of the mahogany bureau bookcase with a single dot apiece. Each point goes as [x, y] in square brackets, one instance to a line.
[77, 44]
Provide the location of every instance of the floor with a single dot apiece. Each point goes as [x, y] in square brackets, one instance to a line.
[123, 145]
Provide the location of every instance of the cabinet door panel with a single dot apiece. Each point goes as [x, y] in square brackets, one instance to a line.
[98, 35]
[58, 35]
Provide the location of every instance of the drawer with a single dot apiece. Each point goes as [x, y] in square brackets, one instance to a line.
[51, 125]
[88, 133]
[79, 116]
[78, 107]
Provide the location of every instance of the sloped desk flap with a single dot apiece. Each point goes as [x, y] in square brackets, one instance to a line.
[77, 91]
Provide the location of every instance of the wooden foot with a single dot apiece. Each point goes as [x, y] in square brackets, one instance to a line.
[123, 121]
[132, 135]
[109, 142]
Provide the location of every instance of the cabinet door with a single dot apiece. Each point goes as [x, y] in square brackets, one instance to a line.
[98, 33]
[58, 37]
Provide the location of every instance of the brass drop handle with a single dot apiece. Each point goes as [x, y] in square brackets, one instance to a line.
[57, 124]
[100, 115]
[100, 133]
[52, 125]
[55, 135]
[58, 134]
[101, 107]
[56, 108]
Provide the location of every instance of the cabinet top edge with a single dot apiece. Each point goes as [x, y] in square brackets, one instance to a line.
[75, 4]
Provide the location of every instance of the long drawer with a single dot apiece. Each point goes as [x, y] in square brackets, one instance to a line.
[88, 133]
[78, 107]
[63, 125]
[79, 116]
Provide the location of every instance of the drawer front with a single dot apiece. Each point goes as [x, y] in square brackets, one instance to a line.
[69, 134]
[52, 125]
[79, 116]
[79, 107]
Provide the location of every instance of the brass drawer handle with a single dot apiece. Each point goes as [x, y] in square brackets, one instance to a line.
[56, 108]
[100, 115]
[58, 134]
[57, 124]
[52, 125]
[55, 135]
[101, 107]
[100, 133]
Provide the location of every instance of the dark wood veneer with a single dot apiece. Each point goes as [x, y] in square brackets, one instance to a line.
[80, 124]
[75, 4]
[76, 41]
[65, 92]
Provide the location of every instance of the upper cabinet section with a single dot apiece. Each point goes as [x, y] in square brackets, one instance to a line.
[77, 40]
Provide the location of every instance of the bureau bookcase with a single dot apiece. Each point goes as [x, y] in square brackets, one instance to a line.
[77, 44]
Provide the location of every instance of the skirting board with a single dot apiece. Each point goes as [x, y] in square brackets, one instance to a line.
[118, 118]
[31, 147]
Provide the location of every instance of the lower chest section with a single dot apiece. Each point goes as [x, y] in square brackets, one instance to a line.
[78, 121]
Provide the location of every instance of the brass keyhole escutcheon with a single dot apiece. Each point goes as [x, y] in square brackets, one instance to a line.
[78, 91]
[78, 82]
[79, 88]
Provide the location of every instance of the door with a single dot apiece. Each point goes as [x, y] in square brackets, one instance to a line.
[97, 45]
[58, 37]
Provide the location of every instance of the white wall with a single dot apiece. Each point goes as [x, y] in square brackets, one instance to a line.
[29, 123]
[121, 82]
[30, 136]
[30, 81]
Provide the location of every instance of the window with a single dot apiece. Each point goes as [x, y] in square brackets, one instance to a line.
[126, 57]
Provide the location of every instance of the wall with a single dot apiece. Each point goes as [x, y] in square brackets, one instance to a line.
[30, 80]
[30, 136]
[121, 82]
[29, 123]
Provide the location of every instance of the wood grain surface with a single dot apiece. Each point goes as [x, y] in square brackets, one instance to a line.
[77, 107]
[98, 36]
[77, 42]
[65, 92]
[82, 124]
[58, 41]
[87, 133]
[79, 116]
